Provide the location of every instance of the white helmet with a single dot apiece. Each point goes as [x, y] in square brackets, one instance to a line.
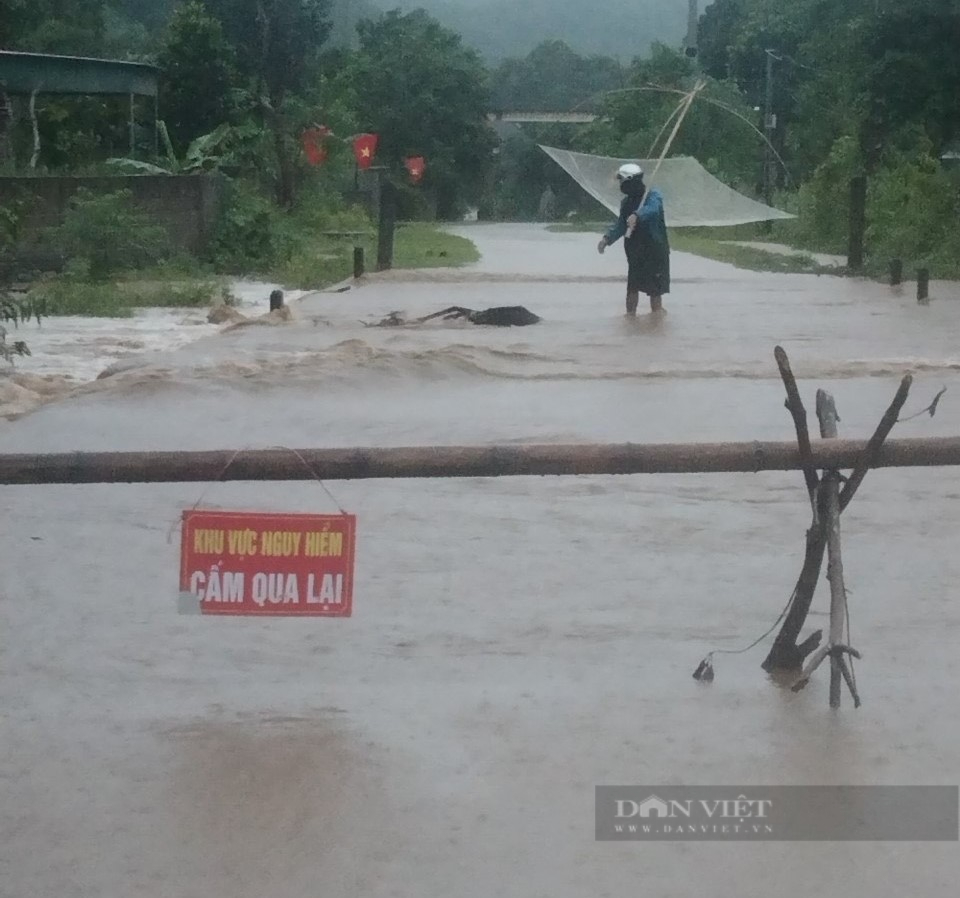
[629, 170]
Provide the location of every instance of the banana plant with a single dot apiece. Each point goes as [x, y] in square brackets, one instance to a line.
[20, 309]
[204, 154]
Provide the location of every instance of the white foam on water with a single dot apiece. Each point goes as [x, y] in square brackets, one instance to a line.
[72, 350]
[79, 348]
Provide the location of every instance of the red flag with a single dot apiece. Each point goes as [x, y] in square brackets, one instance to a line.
[415, 165]
[313, 148]
[364, 149]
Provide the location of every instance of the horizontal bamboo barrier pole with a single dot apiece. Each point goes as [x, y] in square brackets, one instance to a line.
[462, 461]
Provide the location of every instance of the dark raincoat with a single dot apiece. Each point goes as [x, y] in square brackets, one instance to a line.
[647, 248]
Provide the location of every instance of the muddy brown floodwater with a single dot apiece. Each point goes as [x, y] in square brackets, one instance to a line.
[515, 642]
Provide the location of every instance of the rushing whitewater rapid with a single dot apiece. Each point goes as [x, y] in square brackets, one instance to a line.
[515, 642]
[70, 351]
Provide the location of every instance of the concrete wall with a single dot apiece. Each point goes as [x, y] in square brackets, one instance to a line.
[186, 205]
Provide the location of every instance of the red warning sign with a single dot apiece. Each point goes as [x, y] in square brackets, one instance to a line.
[278, 565]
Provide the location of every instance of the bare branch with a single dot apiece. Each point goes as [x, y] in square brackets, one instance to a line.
[795, 406]
[872, 450]
[848, 679]
[816, 659]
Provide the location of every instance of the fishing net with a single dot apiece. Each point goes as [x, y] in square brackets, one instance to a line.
[692, 197]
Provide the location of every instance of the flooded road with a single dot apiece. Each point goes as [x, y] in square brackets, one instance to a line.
[68, 351]
[515, 642]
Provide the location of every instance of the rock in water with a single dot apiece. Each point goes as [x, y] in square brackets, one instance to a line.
[505, 316]
[223, 314]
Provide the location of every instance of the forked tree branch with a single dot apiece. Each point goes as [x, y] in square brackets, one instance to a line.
[870, 453]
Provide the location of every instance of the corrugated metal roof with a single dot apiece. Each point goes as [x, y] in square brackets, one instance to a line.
[23, 73]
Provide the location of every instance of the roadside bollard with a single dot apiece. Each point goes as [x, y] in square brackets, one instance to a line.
[358, 266]
[276, 300]
[923, 285]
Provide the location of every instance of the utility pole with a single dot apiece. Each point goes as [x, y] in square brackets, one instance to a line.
[769, 127]
[693, 17]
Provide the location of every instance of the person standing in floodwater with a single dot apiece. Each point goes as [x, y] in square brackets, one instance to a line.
[645, 243]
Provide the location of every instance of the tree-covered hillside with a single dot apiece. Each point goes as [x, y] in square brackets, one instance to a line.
[504, 28]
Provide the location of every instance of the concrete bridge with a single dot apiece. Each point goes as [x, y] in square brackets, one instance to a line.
[570, 118]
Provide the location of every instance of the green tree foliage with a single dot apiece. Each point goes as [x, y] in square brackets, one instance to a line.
[15, 309]
[154, 14]
[865, 69]
[71, 27]
[13, 18]
[718, 34]
[198, 75]
[740, 38]
[248, 236]
[424, 93]
[344, 16]
[914, 210]
[857, 88]
[125, 38]
[75, 132]
[553, 78]
[633, 118]
[106, 233]
[523, 173]
[718, 129]
[913, 74]
[278, 45]
[823, 201]
[277, 42]
[634, 111]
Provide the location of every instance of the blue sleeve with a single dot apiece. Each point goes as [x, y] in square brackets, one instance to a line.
[616, 230]
[652, 206]
[619, 228]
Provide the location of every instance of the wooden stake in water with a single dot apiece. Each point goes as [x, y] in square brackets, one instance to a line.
[835, 647]
[827, 413]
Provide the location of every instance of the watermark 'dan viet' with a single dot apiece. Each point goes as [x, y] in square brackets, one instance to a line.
[777, 813]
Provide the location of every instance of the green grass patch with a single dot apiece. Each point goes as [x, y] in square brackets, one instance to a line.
[751, 258]
[579, 227]
[327, 259]
[712, 243]
[314, 262]
[118, 299]
[420, 245]
[170, 294]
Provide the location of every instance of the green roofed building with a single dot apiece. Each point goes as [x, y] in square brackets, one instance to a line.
[30, 74]
[25, 73]
[187, 205]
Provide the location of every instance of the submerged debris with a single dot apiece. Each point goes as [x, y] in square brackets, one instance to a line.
[9, 350]
[498, 316]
